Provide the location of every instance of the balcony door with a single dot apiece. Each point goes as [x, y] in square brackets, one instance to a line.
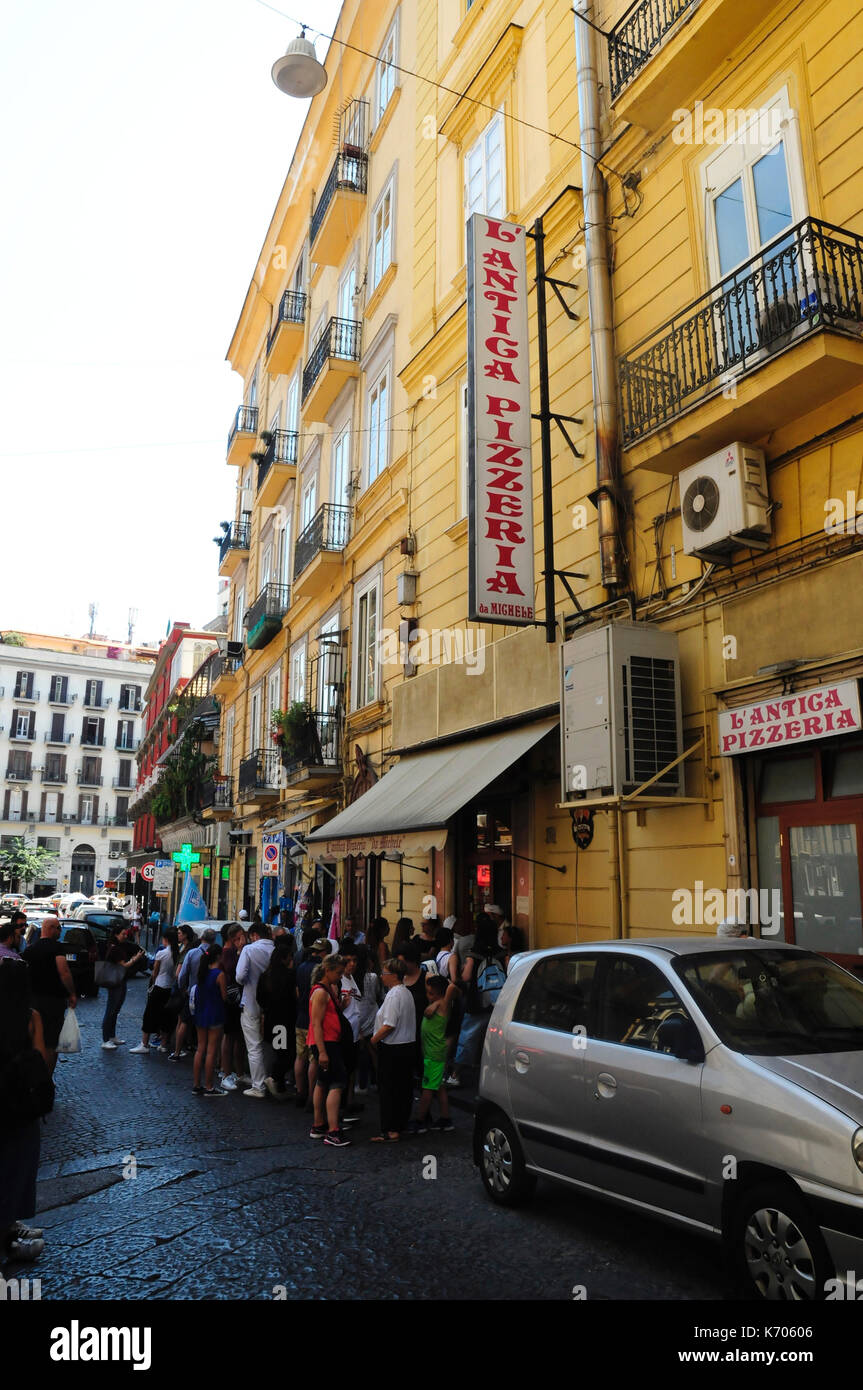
[341, 470]
[307, 503]
[753, 190]
[266, 566]
[254, 720]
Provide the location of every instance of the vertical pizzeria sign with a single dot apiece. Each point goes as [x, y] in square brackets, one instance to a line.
[500, 480]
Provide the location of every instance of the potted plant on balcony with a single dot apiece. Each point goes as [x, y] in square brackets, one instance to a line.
[295, 733]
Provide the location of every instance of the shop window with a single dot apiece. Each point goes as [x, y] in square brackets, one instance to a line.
[825, 878]
[787, 779]
[846, 772]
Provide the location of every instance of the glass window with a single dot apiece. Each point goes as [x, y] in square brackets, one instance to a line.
[636, 1000]
[787, 779]
[367, 646]
[557, 994]
[846, 772]
[382, 245]
[378, 427]
[825, 879]
[386, 71]
[483, 172]
[772, 193]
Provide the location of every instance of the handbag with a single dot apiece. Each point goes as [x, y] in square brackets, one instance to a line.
[109, 974]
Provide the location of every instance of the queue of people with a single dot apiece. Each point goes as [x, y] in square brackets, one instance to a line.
[294, 1015]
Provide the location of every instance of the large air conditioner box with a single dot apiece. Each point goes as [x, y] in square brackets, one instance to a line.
[724, 503]
[621, 717]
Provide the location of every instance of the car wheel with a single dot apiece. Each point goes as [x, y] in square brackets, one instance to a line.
[501, 1163]
[777, 1248]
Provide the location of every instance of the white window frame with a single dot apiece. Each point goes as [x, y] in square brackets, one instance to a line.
[386, 75]
[364, 692]
[253, 732]
[382, 237]
[284, 544]
[274, 694]
[347, 296]
[298, 678]
[252, 398]
[480, 148]
[228, 743]
[239, 608]
[340, 466]
[292, 409]
[378, 453]
[310, 489]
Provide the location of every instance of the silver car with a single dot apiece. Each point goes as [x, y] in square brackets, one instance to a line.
[716, 1084]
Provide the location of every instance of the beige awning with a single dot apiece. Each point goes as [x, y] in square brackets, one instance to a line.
[407, 810]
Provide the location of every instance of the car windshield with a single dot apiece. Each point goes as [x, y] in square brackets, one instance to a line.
[776, 1003]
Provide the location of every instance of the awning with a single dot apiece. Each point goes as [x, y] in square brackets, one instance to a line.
[407, 810]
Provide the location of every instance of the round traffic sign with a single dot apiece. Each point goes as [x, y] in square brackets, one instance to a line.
[100, 883]
[148, 871]
[271, 853]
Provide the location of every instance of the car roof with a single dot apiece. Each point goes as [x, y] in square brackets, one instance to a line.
[667, 945]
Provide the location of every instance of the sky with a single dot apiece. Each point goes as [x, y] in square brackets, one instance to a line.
[144, 148]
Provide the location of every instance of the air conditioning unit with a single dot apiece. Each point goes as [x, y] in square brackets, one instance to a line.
[621, 711]
[816, 301]
[724, 503]
[12, 777]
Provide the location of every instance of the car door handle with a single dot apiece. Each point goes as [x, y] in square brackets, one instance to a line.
[521, 1061]
[606, 1086]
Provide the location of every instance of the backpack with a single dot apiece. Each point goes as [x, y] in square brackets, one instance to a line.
[26, 1089]
[490, 980]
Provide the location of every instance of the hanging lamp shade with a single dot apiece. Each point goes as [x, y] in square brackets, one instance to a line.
[298, 73]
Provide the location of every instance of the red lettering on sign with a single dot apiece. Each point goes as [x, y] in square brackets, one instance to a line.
[503, 477]
[504, 584]
[505, 505]
[502, 530]
[496, 230]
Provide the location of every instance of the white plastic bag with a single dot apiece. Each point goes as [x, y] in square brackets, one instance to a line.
[70, 1034]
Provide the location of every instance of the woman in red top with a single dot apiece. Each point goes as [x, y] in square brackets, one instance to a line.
[324, 1040]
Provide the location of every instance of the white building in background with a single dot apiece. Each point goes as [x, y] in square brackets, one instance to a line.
[70, 726]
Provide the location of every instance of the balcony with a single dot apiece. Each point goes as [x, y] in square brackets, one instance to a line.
[234, 547]
[335, 358]
[53, 778]
[285, 341]
[91, 741]
[242, 434]
[777, 338]
[22, 694]
[127, 745]
[339, 208]
[16, 774]
[96, 704]
[264, 619]
[261, 776]
[224, 673]
[132, 707]
[318, 550]
[662, 52]
[22, 738]
[122, 786]
[319, 761]
[60, 740]
[216, 796]
[56, 700]
[88, 779]
[278, 466]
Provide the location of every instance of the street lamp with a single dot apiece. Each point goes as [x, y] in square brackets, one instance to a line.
[298, 73]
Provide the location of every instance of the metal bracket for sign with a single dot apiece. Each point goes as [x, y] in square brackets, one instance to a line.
[557, 286]
[559, 421]
[564, 576]
[558, 868]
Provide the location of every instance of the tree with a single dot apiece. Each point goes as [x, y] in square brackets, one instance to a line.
[20, 861]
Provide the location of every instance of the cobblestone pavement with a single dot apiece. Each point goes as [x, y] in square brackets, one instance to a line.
[231, 1199]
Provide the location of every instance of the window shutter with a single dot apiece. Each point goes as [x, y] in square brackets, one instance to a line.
[42, 809]
[24, 797]
[101, 726]
[6, 804]
[59, 805]
[32, 729]
[95, 809]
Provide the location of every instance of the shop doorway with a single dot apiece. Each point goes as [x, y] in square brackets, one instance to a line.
[809, 822]
[485, 873]
[82, 876]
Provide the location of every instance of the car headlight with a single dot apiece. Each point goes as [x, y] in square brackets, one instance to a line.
[857, 1148]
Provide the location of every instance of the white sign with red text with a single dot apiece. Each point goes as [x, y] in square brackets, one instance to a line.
[500, 482]
[818, 713]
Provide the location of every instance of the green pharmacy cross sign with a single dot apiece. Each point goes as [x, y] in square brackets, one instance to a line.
[185, 858]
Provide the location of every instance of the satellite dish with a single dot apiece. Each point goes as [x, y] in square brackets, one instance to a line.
[298, 73]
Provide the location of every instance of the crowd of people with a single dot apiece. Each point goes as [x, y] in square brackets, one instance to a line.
[285, 1013]
[289, 1013]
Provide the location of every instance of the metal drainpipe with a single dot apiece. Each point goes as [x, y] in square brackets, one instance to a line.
[599, 299]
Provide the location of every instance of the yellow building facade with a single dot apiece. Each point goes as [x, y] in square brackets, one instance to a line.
[723, 391]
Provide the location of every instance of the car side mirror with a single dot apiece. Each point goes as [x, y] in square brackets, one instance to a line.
[679, 1037]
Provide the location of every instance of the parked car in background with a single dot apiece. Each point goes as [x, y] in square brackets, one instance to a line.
[81, 953]
[714, 1084]
[10, 902]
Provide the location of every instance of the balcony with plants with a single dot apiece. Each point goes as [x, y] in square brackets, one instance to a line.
[773, 340]
[242, 434]
[277, 464]
[233, 546]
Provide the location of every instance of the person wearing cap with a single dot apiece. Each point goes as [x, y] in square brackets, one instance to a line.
[499, 917]
[254, 959]
[242, 915]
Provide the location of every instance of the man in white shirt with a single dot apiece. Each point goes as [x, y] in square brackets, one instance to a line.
[254, 959]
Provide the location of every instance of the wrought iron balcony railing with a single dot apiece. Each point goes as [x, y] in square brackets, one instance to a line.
[122, 785]
[292, 309]
[59, 738]
[322, 747]
[92, 741]
[808, 280]
[638, 34]
[224, 665]
[351, 171]
[340, 338]
[268, 609]
[16, 773]
[216, 794]
[131, 706]
[237, 537]
[88, 779]
[329, 529]
[245, 422]
[261, 772]
[54, 778]
[282, 448]
[126, 745]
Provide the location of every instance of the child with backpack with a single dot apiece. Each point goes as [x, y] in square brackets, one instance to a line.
[441, 995]
[483, 979]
